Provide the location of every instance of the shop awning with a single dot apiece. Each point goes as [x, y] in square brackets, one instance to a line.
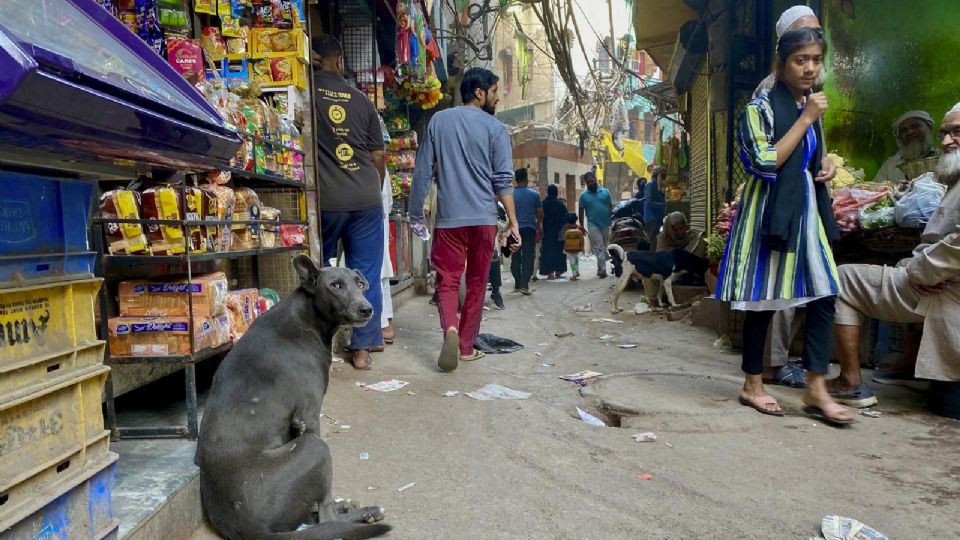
[656, 24]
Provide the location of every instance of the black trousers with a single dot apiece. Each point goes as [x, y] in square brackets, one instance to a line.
[521, 263]
[494, 277]
[817, 342]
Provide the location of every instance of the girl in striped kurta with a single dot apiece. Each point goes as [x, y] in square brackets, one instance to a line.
[778, 255]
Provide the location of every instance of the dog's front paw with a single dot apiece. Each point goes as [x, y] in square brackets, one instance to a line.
[616, 310]
[298, 426]
[372, 514]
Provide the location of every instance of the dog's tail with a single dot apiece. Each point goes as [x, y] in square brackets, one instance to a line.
[332, 530]
[616, 248]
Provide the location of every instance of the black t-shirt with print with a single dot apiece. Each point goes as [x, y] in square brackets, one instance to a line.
[348, 129]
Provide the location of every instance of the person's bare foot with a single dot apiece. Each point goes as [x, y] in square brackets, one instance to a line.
[360, 359]
[389, 334]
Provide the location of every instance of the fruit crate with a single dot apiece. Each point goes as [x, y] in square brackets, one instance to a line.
[77, 506]
[39, 321]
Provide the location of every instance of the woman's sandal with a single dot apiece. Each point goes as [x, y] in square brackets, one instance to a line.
[816, 412]
[753, 404]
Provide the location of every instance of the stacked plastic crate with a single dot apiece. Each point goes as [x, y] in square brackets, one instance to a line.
[56, 470]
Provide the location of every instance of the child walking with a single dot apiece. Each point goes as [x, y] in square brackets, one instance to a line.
[573, 244]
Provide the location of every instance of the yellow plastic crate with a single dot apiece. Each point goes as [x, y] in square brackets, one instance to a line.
[75, 504]
[44, 320]
[47, 369]
[48, 422]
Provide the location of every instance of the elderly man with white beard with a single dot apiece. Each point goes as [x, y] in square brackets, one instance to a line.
[923, 288]
[914, 133]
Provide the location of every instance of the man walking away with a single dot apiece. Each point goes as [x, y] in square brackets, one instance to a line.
[472, 154]
[595, 202]
[529, 216]
[350, 172]
[654, 206]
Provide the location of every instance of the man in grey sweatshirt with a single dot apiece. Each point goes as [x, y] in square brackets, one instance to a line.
[470, 151]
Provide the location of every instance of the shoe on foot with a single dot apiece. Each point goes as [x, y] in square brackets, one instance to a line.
[899, 377]
[497, 300]
[525, 292]
[857, 397]
[434, 299]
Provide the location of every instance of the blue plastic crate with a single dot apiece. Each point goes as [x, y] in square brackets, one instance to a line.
[43, 227]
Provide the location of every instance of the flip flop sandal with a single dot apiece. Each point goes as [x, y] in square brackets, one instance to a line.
[816, 412]
[388, 341]
[475, 356]
[449, 352]
[759, 409]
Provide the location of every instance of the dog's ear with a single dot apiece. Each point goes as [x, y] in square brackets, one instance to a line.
[308, 271]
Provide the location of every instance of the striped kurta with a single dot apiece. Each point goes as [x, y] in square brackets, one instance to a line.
[752, 275]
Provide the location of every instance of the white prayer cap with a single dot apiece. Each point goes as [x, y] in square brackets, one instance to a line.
[922, 115]
[791, 16]
[955, 109]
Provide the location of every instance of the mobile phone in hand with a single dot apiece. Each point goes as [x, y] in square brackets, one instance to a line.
[511, 241]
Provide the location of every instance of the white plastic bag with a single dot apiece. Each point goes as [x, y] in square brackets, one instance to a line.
[914, 209]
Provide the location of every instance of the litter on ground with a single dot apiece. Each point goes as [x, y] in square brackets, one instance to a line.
[641, 308]
[564, 334]
[584, 308]
[388, 385]
[547, 365]
[581, 377]
[645, 437]
[606, 320]
[495, 391]
[627, 345]
[869, 413]
[364, 455]
[451, 393]
[644, 476]
[844, 528]
[401, 489]
[590, 419]
[606, 337]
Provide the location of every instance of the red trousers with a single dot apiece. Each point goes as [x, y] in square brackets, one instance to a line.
[454, 251]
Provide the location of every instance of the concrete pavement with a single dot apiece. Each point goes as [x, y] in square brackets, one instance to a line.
[531, 469]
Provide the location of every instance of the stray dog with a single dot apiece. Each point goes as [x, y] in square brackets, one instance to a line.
[665, 265]
[264, 469]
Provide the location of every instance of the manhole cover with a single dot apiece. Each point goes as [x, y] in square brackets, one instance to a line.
[642, 394]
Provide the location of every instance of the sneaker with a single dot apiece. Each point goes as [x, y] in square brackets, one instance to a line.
[497, 300]
[899, 377]
[859, 397]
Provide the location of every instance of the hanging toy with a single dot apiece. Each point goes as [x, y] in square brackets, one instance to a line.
[403, 33]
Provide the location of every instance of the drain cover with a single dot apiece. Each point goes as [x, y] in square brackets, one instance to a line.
[641, 394]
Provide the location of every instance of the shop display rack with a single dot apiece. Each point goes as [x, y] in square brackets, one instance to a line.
[186, 263]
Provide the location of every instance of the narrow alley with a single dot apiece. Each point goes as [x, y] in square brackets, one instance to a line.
[532, 469]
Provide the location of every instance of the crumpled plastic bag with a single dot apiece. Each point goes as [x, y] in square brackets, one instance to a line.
[491, 344]
[495, 391]
[914, 209]
[879, 218]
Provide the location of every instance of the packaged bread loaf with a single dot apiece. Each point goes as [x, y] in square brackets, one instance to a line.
[158, 336]
[197, 207]
[225, 201]
[123, 238]
[221, 329]
[238, 323]
[169, 298]
[268, 232]
[163, 202]
[246, 208]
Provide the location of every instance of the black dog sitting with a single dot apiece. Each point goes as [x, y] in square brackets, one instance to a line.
[666, 265]
[263, 466]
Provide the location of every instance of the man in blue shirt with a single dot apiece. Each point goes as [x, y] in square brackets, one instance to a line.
[471, 153]
[529, 217]
[595, 202]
